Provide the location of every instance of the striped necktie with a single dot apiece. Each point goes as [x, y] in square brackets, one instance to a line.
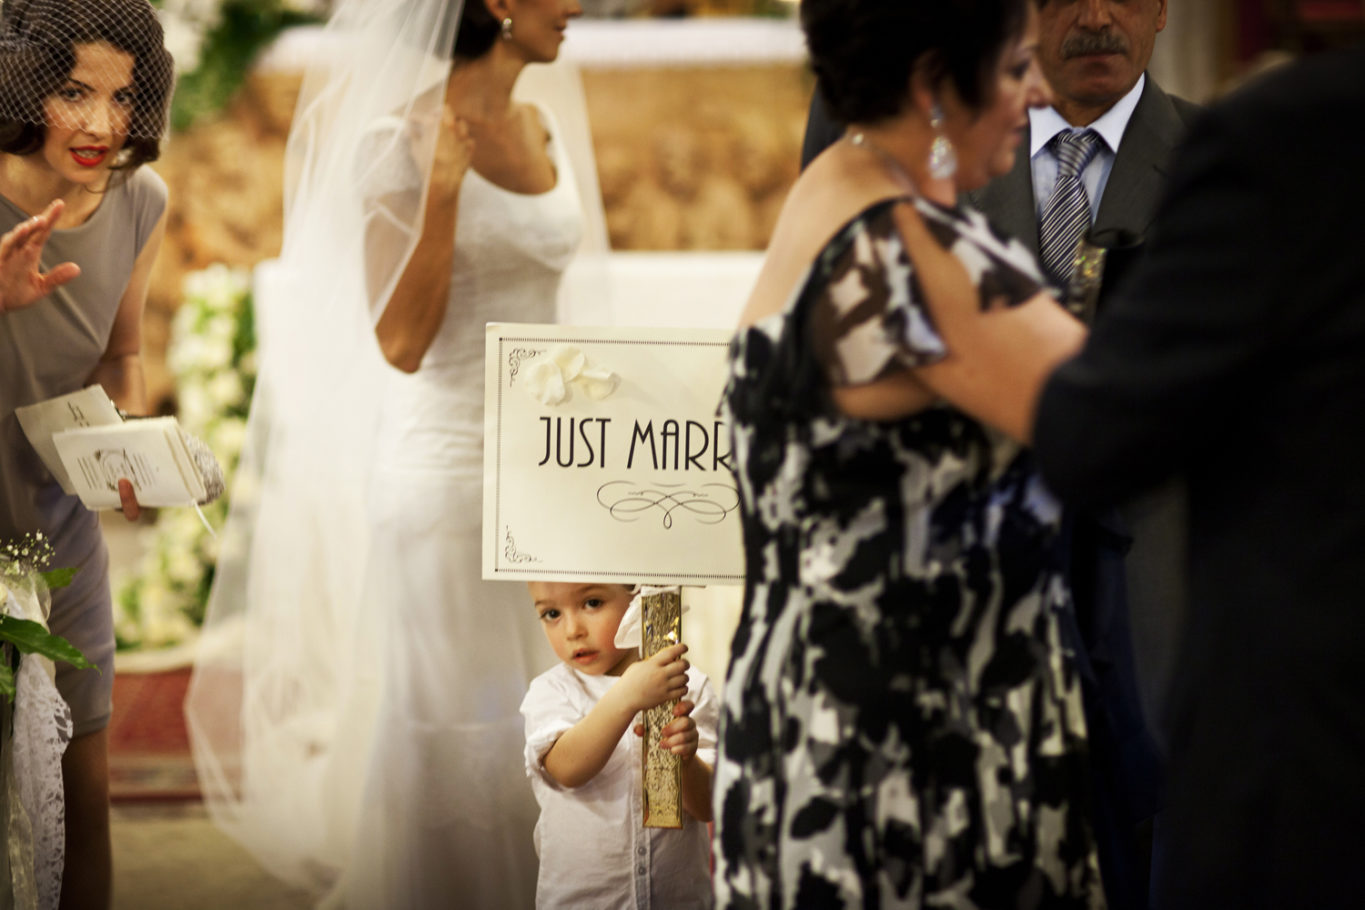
[1067, 213]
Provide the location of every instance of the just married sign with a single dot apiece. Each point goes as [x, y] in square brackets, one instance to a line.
[604, 456]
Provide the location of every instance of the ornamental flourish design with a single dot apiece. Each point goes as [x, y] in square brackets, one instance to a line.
[518, 356]
[512, 554]
[626, 500]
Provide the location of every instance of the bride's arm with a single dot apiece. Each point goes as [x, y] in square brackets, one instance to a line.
[413, 313]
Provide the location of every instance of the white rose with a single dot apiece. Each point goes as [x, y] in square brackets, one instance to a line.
[216, 286]
[227, 438]
[225, 390]
[185, 353]
[183, 567]
[217, 354]
[185, 525]
[183, 39]
[195, 406]
[222, 327]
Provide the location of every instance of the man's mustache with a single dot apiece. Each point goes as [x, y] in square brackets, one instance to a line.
[1086, 43]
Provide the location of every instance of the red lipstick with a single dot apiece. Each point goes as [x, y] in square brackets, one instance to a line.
[90, 155]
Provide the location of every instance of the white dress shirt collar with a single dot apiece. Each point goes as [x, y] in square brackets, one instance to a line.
[1044, 123]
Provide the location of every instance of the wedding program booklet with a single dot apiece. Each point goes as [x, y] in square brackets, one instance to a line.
[88, 447]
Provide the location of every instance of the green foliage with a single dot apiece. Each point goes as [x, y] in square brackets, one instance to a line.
[238, 31]
[57, 578]
[31, 638]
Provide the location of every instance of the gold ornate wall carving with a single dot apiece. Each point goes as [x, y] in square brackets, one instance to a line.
[688, 158]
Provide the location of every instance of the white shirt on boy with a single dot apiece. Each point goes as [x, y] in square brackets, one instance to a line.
[594, 849]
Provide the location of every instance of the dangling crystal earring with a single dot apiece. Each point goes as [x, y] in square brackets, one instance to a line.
[942, 155]
[507, 29]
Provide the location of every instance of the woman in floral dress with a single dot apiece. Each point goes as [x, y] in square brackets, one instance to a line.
[901, 724]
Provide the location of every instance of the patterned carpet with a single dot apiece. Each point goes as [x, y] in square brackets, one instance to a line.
[149, 751]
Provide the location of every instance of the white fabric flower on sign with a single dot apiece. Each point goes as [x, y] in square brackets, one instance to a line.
[550, 378]
[545, 382]
[598, 383]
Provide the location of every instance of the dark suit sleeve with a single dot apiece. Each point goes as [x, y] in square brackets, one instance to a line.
[1180, 346]
[822, 130]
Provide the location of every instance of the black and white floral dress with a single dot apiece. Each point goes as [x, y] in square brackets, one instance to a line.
[900, 725]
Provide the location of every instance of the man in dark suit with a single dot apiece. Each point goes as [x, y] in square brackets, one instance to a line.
[1234, 357]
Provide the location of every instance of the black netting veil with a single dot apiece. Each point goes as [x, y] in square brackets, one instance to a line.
[93, 65]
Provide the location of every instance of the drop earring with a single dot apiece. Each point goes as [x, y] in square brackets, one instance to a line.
[942, 155]
[507, 28]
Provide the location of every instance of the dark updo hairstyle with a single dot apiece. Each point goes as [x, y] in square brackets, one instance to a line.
[864, 51]
[37, 55]
[478, 31]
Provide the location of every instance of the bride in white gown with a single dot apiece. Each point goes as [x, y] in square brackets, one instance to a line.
[354, 710]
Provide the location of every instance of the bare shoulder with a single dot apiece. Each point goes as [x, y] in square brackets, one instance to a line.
[830, 193]
[533, 125]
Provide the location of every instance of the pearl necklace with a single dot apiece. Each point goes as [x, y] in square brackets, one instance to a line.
[859, 140]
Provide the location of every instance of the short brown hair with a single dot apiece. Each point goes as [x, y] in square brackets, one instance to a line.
[37, 44]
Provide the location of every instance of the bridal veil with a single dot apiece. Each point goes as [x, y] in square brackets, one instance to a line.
[281, 708]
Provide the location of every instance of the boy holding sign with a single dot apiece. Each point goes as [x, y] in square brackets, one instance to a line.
[584, 762]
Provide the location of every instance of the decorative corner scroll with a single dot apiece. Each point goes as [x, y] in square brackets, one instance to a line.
[518, 356]
[512, 554]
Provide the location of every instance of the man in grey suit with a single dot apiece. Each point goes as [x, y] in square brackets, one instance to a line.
[1095, 55]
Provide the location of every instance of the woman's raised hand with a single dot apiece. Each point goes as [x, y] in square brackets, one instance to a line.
[22, 280]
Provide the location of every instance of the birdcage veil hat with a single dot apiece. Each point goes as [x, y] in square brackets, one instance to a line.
[38, 46]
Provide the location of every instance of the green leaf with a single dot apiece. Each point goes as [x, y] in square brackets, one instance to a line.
[6, 681]
[57, 578]
[31, 638]
[228, 50]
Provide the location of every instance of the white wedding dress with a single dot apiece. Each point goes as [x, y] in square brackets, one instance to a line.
[354, 705]
[447, 814]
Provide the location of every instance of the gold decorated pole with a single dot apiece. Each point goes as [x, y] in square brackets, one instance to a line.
[661, 774]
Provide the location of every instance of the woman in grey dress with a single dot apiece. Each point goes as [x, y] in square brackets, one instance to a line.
[84, 86]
